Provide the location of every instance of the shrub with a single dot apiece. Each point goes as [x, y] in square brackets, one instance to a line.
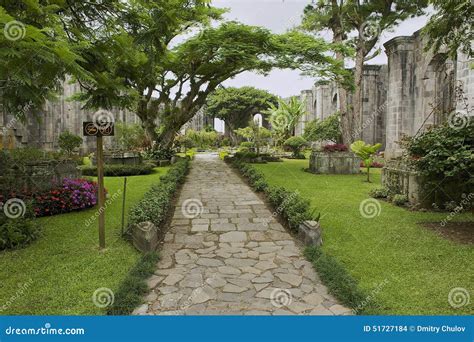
[19, 232]
[290, 205]
[159, 154]
[444, 153]
[335, 148]
[323, 130]
[223, 154]
[156, 202]
[131, 137]
[71, 195]
[379, 193]
[68, 142]
[131, 291]
[339, 282]
[119, 170]
[399, 200]
[295, 144]
[374, 164]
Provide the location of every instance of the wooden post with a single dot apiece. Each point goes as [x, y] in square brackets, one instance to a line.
[123, 202]
[100, 176]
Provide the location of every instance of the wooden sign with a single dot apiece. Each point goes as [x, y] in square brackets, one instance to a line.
[93, 129]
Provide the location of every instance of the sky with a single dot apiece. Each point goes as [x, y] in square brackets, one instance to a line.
[279, 16]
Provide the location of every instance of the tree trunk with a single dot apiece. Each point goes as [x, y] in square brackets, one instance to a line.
[166, 138]
[147, 120]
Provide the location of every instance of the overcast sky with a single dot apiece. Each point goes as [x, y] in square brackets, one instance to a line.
[279, 16]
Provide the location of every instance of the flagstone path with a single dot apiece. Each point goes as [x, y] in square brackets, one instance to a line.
[225, 254]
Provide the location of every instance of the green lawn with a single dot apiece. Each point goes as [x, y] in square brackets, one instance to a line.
[58, 273]
[408, 269]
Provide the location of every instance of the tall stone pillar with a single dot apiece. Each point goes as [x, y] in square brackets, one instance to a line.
[400, 100]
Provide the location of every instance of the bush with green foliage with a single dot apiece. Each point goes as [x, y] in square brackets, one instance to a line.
[379, 193]
[202, 139]
[68, 142]
[18, 232]
[159, 154]
[328, 129]
[399, 200]
[296, 144]
[119, 170]
[156, 202]
[131, 137]
[444, 154]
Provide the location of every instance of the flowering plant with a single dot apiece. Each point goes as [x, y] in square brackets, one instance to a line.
[335, 148]
[73, 194]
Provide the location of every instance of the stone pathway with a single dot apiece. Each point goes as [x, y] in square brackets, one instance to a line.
[225, 254]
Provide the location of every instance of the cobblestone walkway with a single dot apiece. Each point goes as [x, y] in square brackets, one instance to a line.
[226, 255]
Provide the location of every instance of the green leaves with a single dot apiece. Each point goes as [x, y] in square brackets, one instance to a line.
[323, 130]
[364, 151]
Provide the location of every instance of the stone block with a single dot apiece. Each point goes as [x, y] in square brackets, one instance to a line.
[145, 237]
[310, 233]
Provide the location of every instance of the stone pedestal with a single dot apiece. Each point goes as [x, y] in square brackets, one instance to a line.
[334, 163]
[310, 233]
[145, 237]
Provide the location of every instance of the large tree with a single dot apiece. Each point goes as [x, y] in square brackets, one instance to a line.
[452, 26]
[236, 106]
[166, 76]
[368, 20]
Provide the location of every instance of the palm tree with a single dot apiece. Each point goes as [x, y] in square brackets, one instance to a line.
[285, 117]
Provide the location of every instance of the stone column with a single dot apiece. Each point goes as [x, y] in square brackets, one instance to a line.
[400, 103]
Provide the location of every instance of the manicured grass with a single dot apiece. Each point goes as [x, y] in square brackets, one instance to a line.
[61, 270]
[406, 268]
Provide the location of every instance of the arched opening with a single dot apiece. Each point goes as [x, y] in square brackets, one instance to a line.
[258, 118]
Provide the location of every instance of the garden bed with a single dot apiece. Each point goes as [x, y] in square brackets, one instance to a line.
[62, 270]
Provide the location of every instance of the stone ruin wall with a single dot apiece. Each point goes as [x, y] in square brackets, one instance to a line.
[415, 90]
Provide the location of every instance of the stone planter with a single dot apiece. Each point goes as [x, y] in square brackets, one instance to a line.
[398, 178]
[344, 163]
[38, 176]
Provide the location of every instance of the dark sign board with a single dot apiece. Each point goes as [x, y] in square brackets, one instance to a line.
[92, 129]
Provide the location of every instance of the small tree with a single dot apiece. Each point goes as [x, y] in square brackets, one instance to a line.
[285, 117]
[68, 142]
[254, 134]
[365, 152]
[295, 144]
[131, 137]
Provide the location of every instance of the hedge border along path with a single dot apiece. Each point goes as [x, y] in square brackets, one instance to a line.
[153, 207]
[226, 254]
[294, 210]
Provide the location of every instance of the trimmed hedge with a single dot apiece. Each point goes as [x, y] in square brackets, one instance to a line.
[289, 204]
[119, 170]
[131, 291]
[156, 202]
[340, 283]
